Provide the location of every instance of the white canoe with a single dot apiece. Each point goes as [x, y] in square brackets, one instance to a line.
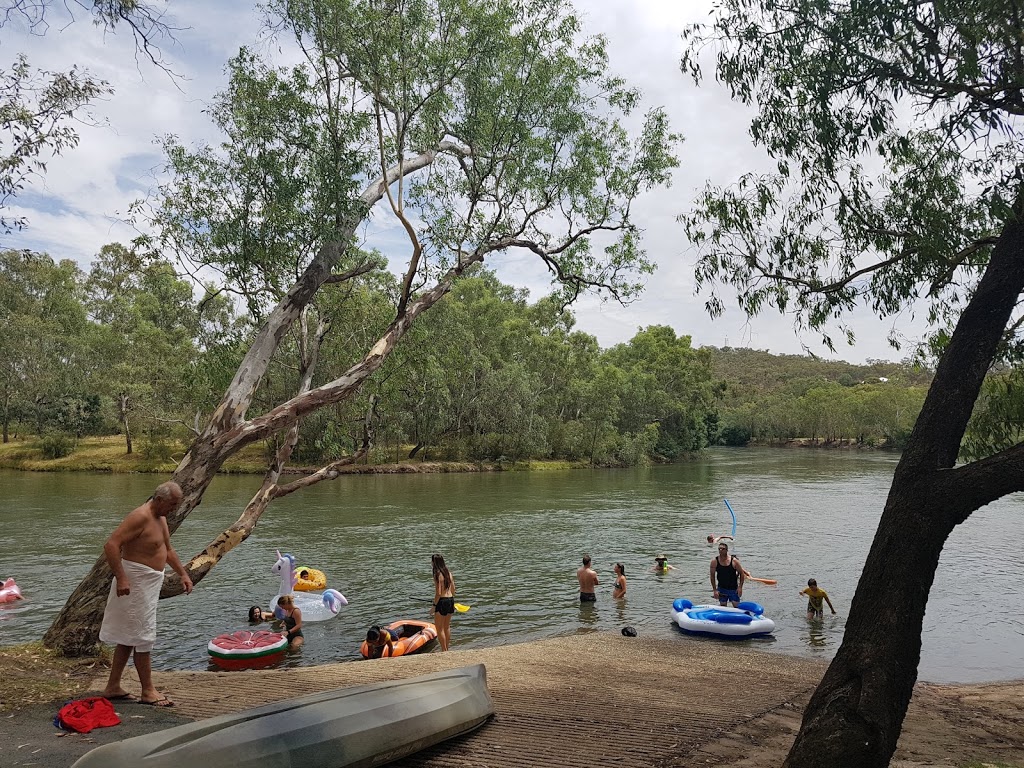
[748, 620]
[365, 725]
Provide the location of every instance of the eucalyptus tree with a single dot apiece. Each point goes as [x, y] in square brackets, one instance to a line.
[149, 331]
[42, 355]
[669, 385]
[482, 127]
[895, 130]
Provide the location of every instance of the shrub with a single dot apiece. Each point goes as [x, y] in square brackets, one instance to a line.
[57, 445]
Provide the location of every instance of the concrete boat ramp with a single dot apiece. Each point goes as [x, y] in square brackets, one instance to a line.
[583, 700]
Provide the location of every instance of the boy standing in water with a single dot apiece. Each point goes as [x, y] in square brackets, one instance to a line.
[815, 596]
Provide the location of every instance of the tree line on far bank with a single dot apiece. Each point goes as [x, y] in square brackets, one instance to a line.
[130, 348]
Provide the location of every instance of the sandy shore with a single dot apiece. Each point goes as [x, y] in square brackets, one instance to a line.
[602, 699]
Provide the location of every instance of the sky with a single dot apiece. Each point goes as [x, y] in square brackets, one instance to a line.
[80, 204]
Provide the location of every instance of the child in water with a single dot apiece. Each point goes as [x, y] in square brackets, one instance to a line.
[815, 596]
[661, 564]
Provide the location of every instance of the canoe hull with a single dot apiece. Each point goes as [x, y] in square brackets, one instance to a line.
[356, 727]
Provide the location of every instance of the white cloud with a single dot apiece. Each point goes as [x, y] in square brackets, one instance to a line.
[75, 211]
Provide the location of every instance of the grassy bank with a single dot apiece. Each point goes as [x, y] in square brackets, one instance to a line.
[107, 454]
[33, 674]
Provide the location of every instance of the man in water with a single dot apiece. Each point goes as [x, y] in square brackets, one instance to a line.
[137, 552]
[727, 577]
[588, 580]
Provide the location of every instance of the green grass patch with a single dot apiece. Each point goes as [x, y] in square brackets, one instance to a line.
[109, 454]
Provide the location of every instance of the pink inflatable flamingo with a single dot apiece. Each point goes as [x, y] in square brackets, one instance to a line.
[10, 592]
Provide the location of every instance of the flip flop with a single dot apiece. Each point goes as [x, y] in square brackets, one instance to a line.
[122, 697]
[162, 703]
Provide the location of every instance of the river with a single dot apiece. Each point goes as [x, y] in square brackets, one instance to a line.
[514, 540]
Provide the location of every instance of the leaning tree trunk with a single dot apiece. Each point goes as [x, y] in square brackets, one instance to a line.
[75, 631]
[855, 716]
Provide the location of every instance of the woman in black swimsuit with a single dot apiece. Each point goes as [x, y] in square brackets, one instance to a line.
[444, 600]
[619, 587]
[292, 621]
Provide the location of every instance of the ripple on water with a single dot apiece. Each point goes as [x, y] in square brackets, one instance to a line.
[514, 540]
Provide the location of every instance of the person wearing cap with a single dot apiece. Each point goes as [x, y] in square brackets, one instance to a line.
[815, 597]
[661, 564]
[727, 576]
[588, 580]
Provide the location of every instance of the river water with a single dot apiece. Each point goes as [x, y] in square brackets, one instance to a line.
[513, 541]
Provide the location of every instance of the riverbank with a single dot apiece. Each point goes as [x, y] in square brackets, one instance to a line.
[107, 454]
[587, 700]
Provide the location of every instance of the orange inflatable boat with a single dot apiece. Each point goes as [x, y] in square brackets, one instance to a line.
[412, 636]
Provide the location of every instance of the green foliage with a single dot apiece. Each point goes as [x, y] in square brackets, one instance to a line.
[998, 419]
[772, 398]
[38, 113]
[158, 444]
[894, 128]
[43, 362]
[57, 446]
[867, 204]
[736, 435]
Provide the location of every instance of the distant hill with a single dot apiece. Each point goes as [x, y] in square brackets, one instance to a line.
[757, 372]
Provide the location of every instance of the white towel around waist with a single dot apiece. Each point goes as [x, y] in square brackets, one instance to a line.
[131, 619]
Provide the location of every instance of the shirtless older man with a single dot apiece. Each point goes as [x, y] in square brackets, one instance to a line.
[137, 552]
[588, 580]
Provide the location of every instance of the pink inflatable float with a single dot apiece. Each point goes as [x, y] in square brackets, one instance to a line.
[9, 592]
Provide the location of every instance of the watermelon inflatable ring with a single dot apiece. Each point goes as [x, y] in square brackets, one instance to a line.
[247, 650]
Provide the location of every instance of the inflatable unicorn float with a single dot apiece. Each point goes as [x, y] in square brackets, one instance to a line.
[314, 607]
[9, 591]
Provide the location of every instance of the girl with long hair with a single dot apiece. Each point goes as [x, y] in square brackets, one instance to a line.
[444, 600]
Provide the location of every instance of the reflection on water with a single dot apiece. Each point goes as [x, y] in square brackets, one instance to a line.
[821, 633]
[514, 540]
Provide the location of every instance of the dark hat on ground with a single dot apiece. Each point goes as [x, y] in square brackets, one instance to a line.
[629, 631]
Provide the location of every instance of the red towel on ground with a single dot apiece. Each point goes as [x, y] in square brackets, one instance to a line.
[85, 714]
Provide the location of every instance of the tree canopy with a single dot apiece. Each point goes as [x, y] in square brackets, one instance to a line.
[486, 127]
[894, 127]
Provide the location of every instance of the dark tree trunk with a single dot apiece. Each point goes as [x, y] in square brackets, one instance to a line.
[416, 449]
[75, 631]
[855, 716]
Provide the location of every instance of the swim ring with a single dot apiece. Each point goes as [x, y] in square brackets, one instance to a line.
[309, 579]
[246, 649]
[746, 620]
[9, 591]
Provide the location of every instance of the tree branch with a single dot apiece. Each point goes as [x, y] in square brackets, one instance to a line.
[981, 482]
